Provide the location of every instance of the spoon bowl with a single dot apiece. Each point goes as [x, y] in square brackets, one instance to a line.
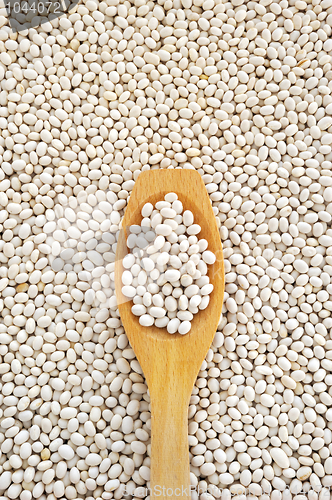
[171, 362]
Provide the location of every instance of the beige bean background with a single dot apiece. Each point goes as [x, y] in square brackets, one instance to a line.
[241, 92]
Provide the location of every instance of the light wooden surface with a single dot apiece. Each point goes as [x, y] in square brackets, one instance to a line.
[171, 362]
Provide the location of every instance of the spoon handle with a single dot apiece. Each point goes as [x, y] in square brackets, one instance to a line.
[169, 445]
[169, 441]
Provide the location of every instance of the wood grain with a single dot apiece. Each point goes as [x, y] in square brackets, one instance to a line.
[171, 362]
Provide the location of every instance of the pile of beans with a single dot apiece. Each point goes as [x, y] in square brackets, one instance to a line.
[166, 267]
[240, 91]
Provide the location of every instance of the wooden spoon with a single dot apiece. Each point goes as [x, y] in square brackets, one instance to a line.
[171, 362]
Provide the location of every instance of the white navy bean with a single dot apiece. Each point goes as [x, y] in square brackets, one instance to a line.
[171, 265]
